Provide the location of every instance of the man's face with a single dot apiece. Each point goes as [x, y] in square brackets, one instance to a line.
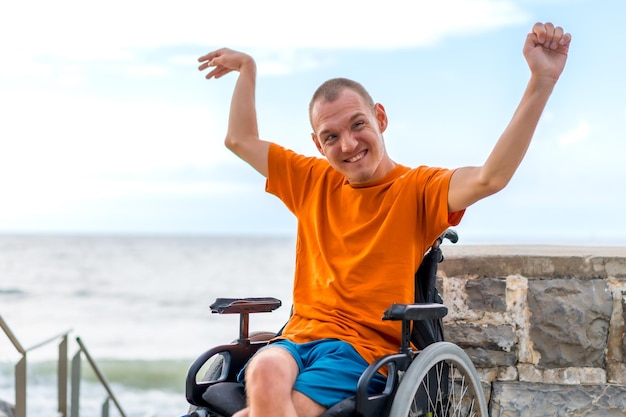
[349, 133]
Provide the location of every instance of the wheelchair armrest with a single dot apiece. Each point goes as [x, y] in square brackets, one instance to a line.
[378, 404]
[245, 305]
[234, 355]
[416, 312]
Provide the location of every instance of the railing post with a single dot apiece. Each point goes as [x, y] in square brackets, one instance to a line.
[20, 387]
[75, 385]
[100, 376]
[105, 407]
[62, 377]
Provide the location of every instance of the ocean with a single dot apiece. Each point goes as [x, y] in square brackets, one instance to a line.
[140, 305]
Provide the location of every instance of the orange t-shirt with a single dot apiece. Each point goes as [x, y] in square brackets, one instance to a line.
[358, 247]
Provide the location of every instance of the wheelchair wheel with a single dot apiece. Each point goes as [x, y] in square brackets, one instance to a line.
[441, 381]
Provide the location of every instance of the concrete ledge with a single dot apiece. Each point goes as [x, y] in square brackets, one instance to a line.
[536, 261]
[469, 251]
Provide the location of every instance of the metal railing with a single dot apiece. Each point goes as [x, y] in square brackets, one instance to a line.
[21, 375]
[76, 365]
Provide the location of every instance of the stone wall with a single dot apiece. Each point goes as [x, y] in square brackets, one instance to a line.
[543, 325]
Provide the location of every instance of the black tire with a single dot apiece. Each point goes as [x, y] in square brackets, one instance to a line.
[441, 381]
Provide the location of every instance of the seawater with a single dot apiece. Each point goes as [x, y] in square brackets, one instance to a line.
[140, 304]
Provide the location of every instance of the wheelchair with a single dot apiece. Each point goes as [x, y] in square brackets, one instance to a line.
[435, 380]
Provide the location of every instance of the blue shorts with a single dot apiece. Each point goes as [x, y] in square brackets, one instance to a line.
[329, 370]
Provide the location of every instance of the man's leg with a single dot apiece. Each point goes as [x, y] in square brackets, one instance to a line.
[270, 377]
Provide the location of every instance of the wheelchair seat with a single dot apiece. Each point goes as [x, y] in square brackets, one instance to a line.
[229, 397]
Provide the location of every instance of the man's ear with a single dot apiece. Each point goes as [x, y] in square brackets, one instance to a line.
[381, 117]
[317, 144]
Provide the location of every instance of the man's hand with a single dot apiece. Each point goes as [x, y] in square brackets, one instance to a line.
[224, 60]
[546, 50]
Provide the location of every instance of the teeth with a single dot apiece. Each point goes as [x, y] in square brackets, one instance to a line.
[356, 157]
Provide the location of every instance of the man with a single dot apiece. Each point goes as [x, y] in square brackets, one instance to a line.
[364, 223]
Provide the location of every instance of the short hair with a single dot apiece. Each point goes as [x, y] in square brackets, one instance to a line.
[330, 90]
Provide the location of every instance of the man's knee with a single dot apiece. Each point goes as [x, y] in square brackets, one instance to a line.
[274, 366]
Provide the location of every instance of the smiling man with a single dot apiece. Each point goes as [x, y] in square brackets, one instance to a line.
[364, 223]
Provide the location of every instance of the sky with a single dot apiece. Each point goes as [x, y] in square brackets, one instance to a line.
[108, 127]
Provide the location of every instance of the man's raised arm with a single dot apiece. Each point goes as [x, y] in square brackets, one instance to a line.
[243, 134]
[545, 50]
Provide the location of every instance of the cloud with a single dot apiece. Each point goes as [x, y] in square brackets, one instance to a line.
[147, 71]
[579, 134]
[286, 62]
[62, 154]
[60, 38]
[62, 135]
[112, 30]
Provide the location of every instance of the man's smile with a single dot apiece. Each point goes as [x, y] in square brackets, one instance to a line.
[357, 157]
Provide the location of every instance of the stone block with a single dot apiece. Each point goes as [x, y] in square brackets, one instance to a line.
[616, 373]
[508, 373]
[486, 358]
[572, 376]
[500, 373]
[569, 321]
[519, 399]
[624, 328]
[487, 345]
[615, 343]
[486, 294]
[529, 373]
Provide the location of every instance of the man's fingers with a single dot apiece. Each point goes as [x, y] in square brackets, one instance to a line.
[556, 39]
[221, 62]
[550, 36]
[545, 32]
[565, 40]
[209, 60]
[550, 31]
[206, 59]
[218, 71]
[539, 29]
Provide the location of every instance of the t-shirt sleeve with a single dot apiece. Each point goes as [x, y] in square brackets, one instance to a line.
[290, 176]
[434, 184]
[454, 218]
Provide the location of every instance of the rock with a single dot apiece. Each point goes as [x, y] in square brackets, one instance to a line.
[487, 294]
[570, 321]
[488, 345]
[519, 399]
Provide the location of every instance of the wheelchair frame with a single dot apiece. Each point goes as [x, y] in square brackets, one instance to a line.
[415, 378]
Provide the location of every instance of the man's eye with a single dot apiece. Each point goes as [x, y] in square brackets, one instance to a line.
[330, 138]
[359, 124]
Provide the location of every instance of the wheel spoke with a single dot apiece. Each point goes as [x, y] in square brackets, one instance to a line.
[441, 382]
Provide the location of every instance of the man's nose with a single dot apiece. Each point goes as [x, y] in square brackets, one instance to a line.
[348, 142]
